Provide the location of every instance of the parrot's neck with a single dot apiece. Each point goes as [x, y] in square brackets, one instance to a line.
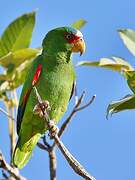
[58, 57]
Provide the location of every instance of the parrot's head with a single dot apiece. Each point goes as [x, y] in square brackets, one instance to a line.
[64, 40]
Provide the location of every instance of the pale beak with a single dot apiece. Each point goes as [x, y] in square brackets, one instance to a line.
[79, 46]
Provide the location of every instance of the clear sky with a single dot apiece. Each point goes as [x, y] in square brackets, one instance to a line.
[105, 148]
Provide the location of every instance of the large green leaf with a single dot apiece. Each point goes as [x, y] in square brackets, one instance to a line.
[128, 37]
[126, 103]
[79, 24]
[14, 59]
[18, 34]
[117, 64]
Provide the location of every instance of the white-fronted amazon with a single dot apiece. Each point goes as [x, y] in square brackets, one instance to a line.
[52, 73]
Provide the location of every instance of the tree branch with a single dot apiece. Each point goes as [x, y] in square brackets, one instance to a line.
[76, 166]
[10, 169]
[52, 163]
[52, 157]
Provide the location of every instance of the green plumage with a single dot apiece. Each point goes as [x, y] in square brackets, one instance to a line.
[54, 84]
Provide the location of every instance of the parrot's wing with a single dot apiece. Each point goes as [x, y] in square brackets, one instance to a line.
[31, 81]
[21, 109]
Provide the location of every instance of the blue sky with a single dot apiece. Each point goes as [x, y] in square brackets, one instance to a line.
[105, 148]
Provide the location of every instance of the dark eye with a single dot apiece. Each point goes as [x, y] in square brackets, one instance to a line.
[68, 36]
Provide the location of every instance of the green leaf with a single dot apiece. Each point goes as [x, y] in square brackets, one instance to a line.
[128, 37]
[117, 64]
[17, 77]
[17, 64]
[79, 24]
[126, 103]
[122, 61]
[18, 34]
[130, 77]
[18, 57]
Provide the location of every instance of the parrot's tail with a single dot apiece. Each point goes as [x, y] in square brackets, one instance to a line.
[22, 152]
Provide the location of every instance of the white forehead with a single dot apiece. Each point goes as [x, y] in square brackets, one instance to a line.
[79, 33]
[76, 32]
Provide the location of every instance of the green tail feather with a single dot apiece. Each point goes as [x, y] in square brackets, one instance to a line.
[22, 152]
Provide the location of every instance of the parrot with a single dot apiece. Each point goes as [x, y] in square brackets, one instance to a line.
[53, 74]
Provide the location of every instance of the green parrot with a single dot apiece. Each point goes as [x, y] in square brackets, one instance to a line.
[52, 73]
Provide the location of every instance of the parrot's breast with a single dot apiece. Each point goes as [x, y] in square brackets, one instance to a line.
[54, 85]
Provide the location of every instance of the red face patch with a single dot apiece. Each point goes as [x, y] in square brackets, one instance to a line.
[71, 38]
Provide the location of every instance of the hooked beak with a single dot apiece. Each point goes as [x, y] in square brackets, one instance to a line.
[79, 46]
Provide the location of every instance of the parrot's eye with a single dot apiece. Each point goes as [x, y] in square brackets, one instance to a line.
[69, 36]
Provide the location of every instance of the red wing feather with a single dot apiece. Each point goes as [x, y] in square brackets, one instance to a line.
[37, 74]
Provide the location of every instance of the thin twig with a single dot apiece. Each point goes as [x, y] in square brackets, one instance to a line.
[45, 145]
[10, 169]
[13, 138]
[10, 128]
[45, 142]
[86, 105]
[5, 112]
[42, 146]
[76, 166]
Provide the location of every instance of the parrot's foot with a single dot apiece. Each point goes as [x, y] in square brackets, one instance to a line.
[37, 109]
[53, 129]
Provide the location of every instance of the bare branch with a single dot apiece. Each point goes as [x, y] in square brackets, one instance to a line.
[10, 169]
[76, 166]
[52, 157]
[52, 164]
